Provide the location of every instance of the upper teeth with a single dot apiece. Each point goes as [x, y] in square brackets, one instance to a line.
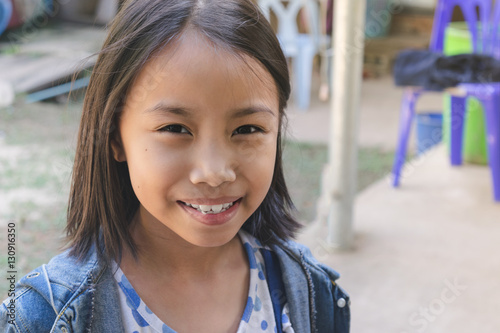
[210, 209]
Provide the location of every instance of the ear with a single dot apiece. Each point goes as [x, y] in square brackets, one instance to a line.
[117, 147]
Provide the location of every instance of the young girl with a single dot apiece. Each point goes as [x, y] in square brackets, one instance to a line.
[179, 219]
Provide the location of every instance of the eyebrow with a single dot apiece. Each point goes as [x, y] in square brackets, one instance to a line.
[182, 111]
[161, 108]
[252, 110]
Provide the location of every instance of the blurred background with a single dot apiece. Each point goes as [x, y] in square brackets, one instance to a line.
[423, 258]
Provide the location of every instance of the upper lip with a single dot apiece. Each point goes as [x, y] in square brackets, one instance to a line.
[211, 202]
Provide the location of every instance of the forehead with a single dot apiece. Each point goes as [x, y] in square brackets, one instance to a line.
[192, 63]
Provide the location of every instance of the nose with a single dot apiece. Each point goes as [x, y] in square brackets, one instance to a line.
[213, 165]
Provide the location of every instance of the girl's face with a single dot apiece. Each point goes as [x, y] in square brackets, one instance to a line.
[199, 134]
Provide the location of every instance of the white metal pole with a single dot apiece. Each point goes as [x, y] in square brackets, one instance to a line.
[349, 26]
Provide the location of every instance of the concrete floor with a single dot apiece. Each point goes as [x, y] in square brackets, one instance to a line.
[425, 256]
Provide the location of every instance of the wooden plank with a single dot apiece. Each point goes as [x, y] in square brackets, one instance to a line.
[58, 90]
[396, 43]
[57, 69]
[50, 56]
[412, 24]
[380, 53]
[23, 67]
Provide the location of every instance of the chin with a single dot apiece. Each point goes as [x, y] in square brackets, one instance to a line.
[212, 240]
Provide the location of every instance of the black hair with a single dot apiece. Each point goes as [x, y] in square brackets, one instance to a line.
[102, 201]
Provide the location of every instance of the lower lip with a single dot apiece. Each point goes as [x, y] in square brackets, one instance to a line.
[213, 219]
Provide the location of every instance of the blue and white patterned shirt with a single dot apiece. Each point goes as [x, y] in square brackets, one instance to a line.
[258, 315]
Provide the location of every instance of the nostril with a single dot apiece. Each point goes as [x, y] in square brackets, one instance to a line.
[212, 176]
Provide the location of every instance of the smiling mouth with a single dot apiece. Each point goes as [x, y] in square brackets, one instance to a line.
[211, 209]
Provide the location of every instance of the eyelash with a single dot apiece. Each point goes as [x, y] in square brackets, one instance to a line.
[179, 129]
[170, 128]
[256, 129]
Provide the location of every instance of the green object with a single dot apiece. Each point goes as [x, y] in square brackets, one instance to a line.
[457, 40]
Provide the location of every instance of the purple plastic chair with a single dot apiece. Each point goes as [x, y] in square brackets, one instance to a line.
[483, 41]
[489, 95]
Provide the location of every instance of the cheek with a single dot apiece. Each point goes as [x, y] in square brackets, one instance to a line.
[259, 150]
[152, 167]
[258, 163]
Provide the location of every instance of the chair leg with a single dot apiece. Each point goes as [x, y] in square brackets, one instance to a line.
[458, 105]
[491, 107]
[302, 67]
[405, 122]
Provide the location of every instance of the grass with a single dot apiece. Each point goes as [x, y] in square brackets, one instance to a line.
[36, 153]
[303, 165]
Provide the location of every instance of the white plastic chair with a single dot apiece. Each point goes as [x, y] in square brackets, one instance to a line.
[300, 47]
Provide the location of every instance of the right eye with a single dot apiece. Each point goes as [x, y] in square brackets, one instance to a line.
[174, 128]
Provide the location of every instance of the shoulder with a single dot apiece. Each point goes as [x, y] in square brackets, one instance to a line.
[42, 296]
[311, 287]
[301, 254]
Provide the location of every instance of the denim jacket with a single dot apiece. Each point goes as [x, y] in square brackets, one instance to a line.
[68, 296]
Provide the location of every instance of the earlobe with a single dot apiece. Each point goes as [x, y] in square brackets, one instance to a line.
[118, 153]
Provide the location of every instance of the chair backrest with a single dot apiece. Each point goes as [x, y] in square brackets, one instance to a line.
[287, 17]
[474, 11]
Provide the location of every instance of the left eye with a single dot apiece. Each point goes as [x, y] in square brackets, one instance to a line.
[247, 129]
[175, 128]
